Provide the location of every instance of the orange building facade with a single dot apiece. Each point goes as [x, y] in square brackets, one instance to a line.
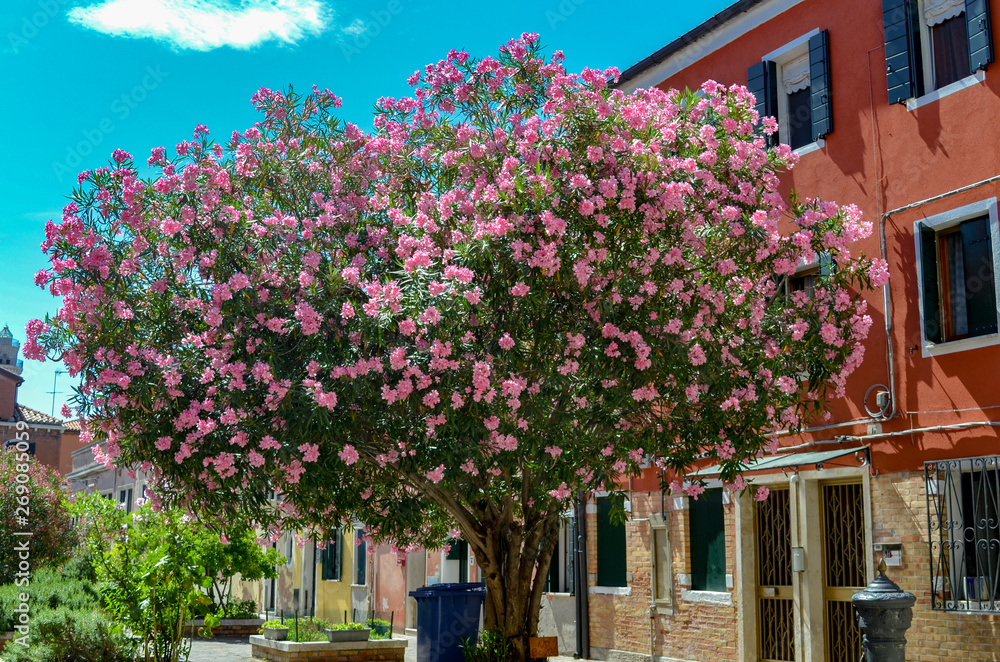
[891, 105]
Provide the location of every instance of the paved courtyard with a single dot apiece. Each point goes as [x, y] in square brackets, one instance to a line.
[238, 650]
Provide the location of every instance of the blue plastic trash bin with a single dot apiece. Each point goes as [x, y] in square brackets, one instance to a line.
[447, 614]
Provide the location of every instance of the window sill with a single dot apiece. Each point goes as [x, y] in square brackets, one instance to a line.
[359, 585]
[937, 349]
[811, 147]
[610, 590]
[940, 93]
[709, 597]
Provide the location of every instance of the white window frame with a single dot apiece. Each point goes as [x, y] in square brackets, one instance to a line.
[780, 57]
[358, 556]
[927, 68]
[565, 553]
[944, 221]
[123, 497]
[290, 548]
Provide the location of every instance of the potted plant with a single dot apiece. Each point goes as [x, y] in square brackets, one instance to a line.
[379, 626]
[275, 630]
[348, 632]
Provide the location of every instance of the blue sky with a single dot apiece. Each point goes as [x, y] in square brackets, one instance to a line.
[84, 77]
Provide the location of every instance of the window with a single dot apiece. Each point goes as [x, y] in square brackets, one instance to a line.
[662, 564]
[963, 504]
[331, 557]
[360, 556]
[792, 85]
[930, 44]
[708, 541]
[560, 578]
[289, 541]
[611, 569]
[125, 499]
[957, 262]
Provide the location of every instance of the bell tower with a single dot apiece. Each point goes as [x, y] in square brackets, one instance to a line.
[9, 349]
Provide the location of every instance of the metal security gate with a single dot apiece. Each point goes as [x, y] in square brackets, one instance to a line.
[844, 567]
[775, 623]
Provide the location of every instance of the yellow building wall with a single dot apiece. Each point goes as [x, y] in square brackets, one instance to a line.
[333, 598]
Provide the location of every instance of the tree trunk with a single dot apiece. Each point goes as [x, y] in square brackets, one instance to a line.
[514, 558]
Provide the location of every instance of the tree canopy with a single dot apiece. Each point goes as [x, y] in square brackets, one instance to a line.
[522, 284]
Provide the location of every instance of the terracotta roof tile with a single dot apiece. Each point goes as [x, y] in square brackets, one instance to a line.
[30, 415]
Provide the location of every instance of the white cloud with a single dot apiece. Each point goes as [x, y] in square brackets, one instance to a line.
[203, 25]
[355, 28]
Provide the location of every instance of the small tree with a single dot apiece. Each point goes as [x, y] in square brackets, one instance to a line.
[521, 286]
[150, 577]
[32, 500]
[239, 554]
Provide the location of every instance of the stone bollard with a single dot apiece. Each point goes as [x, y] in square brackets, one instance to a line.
[884, 613]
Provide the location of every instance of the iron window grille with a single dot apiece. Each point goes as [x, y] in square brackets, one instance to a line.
[963, 513]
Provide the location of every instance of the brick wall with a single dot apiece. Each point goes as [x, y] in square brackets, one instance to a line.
[392, 650]
[694, 630]
[899, 514]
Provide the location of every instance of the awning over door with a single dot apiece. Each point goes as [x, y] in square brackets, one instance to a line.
[789, 461]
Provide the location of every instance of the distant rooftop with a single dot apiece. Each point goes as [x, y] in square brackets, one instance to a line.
[5, 333]
[29, 415]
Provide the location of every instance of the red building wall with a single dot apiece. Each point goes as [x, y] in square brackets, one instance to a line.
[880, 157]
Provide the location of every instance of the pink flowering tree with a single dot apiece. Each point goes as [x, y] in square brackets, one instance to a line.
[518, 287]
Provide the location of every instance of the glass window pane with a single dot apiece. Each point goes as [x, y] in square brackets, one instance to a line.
[950, 45]
[799, 119]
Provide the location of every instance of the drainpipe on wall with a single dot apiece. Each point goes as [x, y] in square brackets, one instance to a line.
[580, 570]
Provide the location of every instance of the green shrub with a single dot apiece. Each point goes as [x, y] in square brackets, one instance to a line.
[348, 626]
[68, 635]
[492, 646]
[48, 591]
[238, 609]
[309, 629]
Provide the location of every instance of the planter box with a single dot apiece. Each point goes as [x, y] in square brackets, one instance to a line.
[276, 634]
[230, 627]
[379, 650]
[347, 635]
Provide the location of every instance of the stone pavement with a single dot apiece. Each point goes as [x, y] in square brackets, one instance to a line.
[238, 650]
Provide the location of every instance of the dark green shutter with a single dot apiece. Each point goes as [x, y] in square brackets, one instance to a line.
[929, 281]
[331, 558]
[360, 557]
[338, 556]
[977, 23]
[611, 569]
[762, 81]
[819, 84]
[902, 49]
[980, 291]
[708, 542]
